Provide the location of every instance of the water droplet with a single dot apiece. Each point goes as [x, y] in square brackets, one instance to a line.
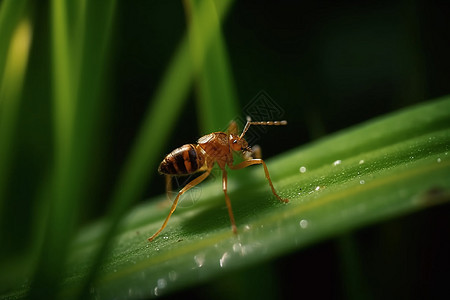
[362, 181]
[162, 283]
[237, 247]
[165, 237]
[304, 224]
[199, 260]
[302, 169]
[439, 160]
[173, 275]
[361, 161]
[337, 162]
[223, 259]
[317, 188]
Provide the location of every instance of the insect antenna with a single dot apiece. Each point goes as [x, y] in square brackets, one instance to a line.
[266, 123]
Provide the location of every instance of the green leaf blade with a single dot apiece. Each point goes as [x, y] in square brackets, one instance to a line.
[388, 180]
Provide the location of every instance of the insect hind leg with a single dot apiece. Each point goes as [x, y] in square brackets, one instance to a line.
[175, 202]
[168, 186]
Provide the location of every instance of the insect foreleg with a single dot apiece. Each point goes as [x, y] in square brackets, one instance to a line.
[227, 200]
[256, 161]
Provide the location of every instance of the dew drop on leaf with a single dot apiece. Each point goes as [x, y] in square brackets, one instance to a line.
[304, 224]
[162, 283]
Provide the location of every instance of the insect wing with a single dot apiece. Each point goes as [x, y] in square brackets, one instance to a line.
[206, 138]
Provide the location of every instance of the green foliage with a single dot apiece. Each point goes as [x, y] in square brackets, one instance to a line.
[346, 185]
[380, 169]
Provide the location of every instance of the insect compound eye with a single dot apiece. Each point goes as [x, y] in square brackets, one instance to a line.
[235, 144]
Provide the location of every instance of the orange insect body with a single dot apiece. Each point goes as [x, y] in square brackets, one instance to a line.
[216, 147]
[183, 160]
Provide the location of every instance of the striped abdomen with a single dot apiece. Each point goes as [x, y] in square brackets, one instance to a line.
[184, 160]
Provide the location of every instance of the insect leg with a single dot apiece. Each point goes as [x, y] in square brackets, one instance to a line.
[168, 186]
[175, 202]
[227, 200]
[256, 161]
[256, 152]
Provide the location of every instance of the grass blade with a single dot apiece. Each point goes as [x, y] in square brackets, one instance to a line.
[149, 143]
[63, 207]
[13, 62]
[11, 11]
[391, 179]
[216, 98]
[78, 72]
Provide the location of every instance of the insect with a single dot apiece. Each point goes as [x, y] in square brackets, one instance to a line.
[216, 147]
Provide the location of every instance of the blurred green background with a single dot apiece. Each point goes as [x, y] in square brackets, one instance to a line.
[91, 74]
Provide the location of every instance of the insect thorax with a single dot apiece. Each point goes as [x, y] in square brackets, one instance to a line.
[216, 147]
